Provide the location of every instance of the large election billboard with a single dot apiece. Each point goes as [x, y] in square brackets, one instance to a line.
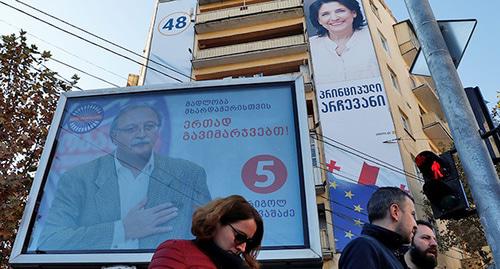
[113, 154]
[354, 113]
[171, 42]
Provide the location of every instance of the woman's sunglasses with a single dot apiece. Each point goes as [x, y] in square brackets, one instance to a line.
[240, 237]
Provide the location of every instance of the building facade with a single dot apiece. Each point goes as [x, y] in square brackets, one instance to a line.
[252, 38]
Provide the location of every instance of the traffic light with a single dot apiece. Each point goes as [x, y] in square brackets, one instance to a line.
[442, 186]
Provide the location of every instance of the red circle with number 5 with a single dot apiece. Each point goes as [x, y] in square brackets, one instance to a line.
[264, 174]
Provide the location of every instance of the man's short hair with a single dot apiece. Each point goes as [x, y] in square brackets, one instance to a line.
[426, 223]
[114, 123]
[382, 199]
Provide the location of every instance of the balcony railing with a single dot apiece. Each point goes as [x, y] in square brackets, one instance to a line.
[436, 129]
[325, 244]
[250, 47]
[407, 41]
[248, 10]
[429, 99]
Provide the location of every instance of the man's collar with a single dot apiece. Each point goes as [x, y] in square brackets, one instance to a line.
[408, 263]
[148, 168]
[391, 239]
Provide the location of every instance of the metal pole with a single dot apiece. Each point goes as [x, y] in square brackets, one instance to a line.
[472, 150]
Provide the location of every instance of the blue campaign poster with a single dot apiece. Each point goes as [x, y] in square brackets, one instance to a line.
[190, 147]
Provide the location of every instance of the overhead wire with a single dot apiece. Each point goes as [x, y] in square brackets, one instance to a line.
[343, 216]
[367, 156]
[57, 75]
[67, 65]
[67, 81]
[103, 150]
[180, 191]
[84, 72]
[355, 234]
[351, 218]
[103, 39]
[354, 181]
[90, 42]
[66, 51]
[386, 165]
[404, 172]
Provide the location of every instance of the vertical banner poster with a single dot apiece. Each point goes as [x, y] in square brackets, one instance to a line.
[172, 42]
[128, 170]
[354, 113]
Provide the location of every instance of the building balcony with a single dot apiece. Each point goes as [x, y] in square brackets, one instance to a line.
[436, 130]
[250, 51]
[325, 245]
[304, 69]
[427, 96]
[407, 41]
[325, 238]
[253, 33]
[236, 17]
[205, 2]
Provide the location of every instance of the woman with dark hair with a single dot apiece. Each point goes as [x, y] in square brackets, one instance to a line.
[341, 49]
[228, 234]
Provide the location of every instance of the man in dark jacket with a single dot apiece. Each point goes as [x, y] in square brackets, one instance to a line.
[391, 213]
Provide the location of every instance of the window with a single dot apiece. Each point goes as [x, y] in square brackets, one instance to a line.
[310, 108]
[394, 80]
[385, 45]
[422, 112]
[406, 123]
[323, 226]
[314, 153]
[375, 10]
[413, 82]
[317, 173]
[415, 167]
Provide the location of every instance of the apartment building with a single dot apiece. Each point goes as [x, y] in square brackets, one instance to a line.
[253, 38]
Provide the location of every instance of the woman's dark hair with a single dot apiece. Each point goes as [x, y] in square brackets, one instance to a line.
[352, 5]
[225, 211]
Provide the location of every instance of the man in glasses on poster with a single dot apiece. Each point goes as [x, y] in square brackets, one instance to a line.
[132, 198]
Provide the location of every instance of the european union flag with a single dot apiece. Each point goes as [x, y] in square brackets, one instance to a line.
[348, 201]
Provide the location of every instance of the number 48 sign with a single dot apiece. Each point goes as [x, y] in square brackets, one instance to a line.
[174, 23]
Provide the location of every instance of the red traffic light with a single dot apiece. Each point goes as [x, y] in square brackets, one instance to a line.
[437, 174]
[431, 166]
[442, 186]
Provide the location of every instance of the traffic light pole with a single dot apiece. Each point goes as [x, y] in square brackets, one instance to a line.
[477, 163]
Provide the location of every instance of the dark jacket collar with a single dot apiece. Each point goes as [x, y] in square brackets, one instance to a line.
[390, 239]
[221, 258]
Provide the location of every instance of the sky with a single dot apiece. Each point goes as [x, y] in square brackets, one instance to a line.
[480, 63]
[127, 23]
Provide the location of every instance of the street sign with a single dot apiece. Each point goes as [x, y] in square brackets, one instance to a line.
[456, 34]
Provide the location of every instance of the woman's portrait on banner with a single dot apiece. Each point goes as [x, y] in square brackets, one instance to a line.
[341, 47]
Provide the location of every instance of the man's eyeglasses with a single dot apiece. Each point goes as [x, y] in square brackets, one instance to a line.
[240, 237]
[134, 128]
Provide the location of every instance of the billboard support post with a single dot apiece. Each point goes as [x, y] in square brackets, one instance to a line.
[472, 150]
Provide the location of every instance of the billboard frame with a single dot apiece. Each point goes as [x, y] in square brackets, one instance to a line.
[311, 253]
